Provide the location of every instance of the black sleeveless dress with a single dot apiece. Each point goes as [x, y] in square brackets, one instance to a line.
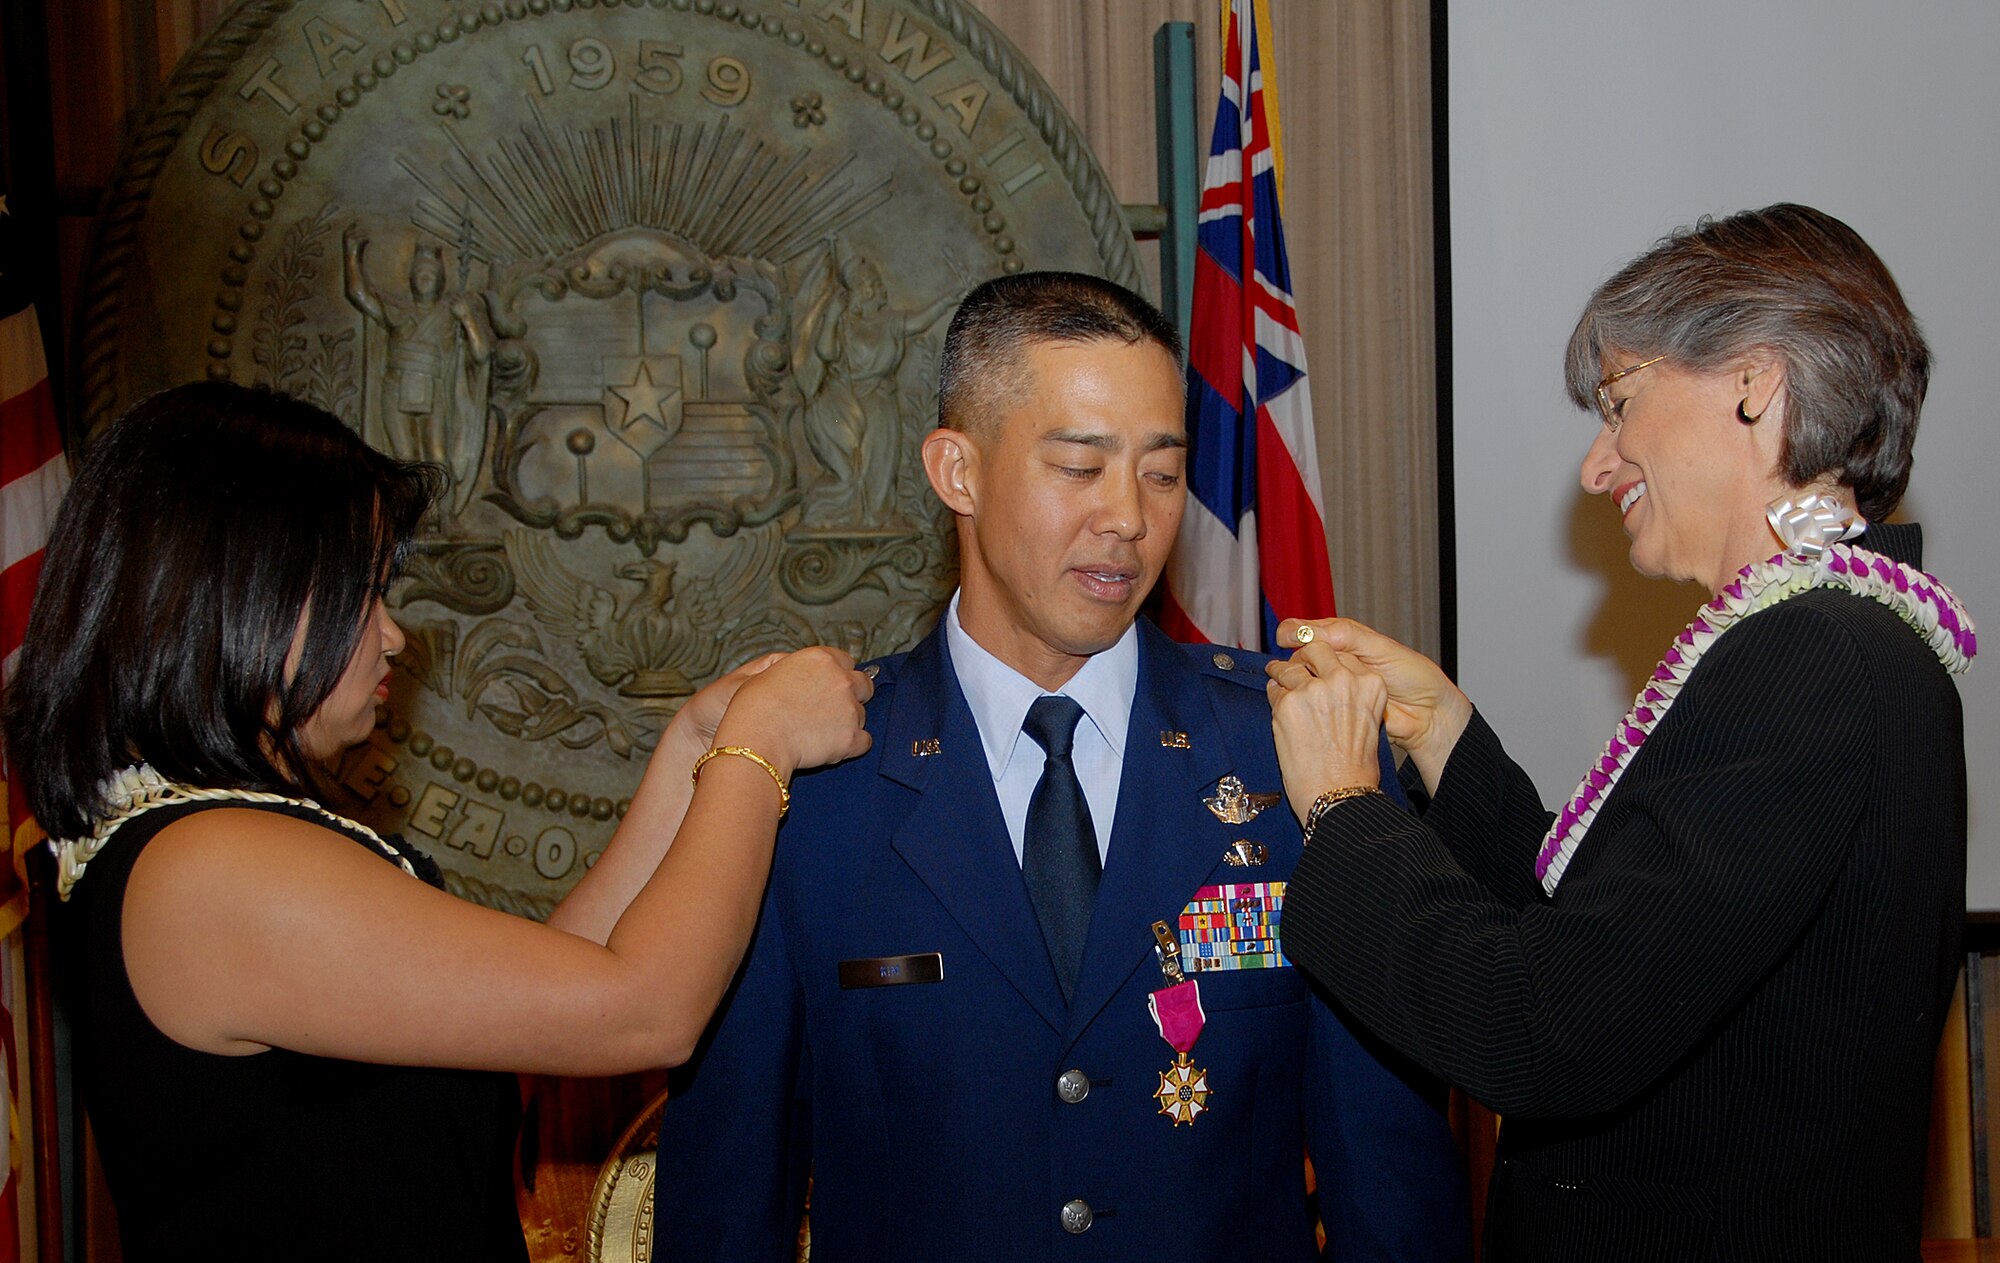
[276, 1155]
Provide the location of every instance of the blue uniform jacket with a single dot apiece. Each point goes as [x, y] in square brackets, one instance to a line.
[927, 1114]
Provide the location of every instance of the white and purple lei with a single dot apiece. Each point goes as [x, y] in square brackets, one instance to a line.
[1920, 600]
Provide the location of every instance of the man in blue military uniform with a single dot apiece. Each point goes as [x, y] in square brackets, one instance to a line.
[1018, 990]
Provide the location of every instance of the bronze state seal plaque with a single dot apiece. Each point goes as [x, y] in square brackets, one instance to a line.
[659, 283]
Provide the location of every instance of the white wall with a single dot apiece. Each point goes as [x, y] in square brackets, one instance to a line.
[1580, 132]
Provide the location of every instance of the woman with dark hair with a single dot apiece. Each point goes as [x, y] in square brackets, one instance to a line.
[287, 1031]
[1707, 995]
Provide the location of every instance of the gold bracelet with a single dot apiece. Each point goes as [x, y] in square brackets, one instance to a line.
[1329, 798]
[784, 794]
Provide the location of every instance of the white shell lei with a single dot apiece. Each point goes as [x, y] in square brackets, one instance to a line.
[1925, 604]
[139, 789]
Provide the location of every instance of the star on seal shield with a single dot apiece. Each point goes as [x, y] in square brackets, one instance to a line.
[1183, 1094]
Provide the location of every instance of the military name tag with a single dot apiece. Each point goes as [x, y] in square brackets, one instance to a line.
[1233, 926]
[891, 971]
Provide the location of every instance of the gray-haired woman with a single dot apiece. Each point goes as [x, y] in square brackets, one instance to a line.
[1707, 995]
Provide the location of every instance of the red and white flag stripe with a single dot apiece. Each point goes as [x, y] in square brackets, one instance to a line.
[33, 473]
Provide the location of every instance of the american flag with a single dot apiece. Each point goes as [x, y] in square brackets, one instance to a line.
[33, 477]
[33, 471]
[1252, 547]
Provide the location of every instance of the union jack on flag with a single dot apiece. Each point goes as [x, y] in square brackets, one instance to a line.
[1252, 546]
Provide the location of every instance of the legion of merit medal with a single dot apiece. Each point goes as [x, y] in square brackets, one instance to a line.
[1176, 1008]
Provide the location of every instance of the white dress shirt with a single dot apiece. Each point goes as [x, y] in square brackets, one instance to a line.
[1000, 696]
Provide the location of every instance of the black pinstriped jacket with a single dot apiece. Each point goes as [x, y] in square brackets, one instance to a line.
[1715, 1040]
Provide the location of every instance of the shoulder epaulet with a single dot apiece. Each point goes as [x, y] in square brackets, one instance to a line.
[1224, 662]
[882, 671]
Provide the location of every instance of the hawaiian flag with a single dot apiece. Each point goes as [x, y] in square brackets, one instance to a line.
[1252, 547]
[33, 476]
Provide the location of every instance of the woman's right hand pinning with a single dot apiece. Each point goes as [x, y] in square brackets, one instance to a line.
[804, 710]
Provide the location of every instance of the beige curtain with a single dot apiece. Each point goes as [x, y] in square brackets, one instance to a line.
[1353, 80]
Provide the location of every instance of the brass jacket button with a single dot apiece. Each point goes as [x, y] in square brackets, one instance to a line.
[1077, 1216]
[1072, 1086]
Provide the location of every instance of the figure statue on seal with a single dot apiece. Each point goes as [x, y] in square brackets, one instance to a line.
[848, 351]
[426, 368]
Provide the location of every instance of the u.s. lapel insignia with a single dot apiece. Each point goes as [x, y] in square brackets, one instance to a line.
[925, 747]
[1175, 740]
[1183, 1094]
[1232, 806]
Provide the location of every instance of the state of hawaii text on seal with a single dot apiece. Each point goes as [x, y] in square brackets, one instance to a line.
[659, 283]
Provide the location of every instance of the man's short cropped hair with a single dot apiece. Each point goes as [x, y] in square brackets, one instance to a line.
[982, 371]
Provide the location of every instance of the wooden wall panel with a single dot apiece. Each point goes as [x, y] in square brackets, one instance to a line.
[1948, 1209]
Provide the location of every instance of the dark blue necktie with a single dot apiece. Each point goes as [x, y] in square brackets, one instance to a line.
[1059, 849]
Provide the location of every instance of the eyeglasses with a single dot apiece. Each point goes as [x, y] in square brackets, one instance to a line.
[1606, 405]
